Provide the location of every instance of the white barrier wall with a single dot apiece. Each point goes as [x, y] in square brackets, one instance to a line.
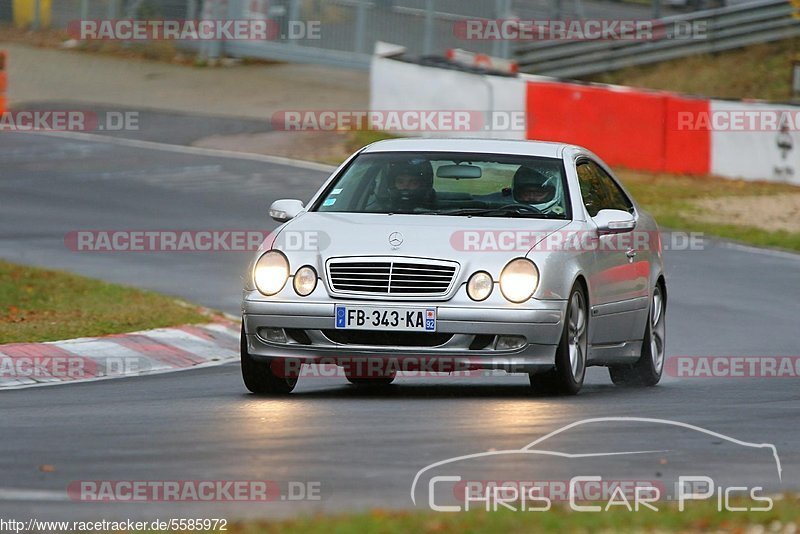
[720, 146]
[757, 151]
[400, 86]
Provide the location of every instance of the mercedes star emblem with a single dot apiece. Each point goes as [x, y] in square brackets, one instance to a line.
[395, 239]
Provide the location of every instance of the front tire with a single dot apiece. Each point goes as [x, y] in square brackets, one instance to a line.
[263, 377]
[570, 369]
[648, 369]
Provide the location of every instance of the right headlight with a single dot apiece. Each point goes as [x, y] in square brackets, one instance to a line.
[480, 286]
[519, 280]
[271, 272]
[305, 280]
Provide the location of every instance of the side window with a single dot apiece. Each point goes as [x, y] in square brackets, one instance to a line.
[599, 191]
[589, 186]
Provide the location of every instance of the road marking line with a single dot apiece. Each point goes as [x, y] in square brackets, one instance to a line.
[20, 494]
[183, 149]
[762, 251]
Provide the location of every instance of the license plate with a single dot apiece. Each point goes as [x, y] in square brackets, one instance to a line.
[386, 318]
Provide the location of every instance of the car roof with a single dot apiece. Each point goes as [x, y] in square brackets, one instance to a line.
[487, 146]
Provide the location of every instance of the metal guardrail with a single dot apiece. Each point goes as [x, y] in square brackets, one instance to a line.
[726, 28]
[349, 29]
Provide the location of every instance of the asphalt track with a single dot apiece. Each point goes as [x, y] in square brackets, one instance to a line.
[363, 448]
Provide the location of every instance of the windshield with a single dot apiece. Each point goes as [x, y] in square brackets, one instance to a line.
[458, 184]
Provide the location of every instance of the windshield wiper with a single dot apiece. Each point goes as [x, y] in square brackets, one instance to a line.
[507, 211]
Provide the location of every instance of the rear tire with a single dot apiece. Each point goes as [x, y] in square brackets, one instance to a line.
[566, 378]
[260, 377]
[648, 369]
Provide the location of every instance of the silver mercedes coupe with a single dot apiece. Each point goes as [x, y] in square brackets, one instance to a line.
[453, 255]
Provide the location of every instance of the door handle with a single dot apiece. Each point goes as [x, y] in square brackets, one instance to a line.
[631, 253]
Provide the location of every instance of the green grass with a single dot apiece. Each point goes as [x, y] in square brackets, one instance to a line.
[670, 199]
[760, 71]
[45, 305]
[698, 517]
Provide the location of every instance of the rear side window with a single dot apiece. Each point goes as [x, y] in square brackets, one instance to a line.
[599, 191]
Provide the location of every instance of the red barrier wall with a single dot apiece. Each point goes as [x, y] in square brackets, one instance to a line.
[686, 151]
[635, 129]
[623, 128]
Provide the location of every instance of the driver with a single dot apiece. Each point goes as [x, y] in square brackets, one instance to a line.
[411, 185]
[531, 187]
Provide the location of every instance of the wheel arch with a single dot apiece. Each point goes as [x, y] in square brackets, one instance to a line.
[580, 279]
[662, 281]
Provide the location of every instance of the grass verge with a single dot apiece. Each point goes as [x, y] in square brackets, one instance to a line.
[46, 305]
[163, 51]
[672, 199]
[760, 71]
[698, 517]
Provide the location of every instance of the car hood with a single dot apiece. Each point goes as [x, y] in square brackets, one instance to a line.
[327, 235]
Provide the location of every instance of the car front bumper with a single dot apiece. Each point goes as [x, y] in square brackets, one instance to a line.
[467, 335]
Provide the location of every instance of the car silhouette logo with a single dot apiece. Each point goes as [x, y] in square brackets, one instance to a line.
[533, 449]
[395, 239]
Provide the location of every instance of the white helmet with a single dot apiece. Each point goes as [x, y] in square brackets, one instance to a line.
[534, 188]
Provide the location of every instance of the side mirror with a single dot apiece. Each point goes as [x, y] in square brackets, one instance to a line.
[285, 209]
[614, 222]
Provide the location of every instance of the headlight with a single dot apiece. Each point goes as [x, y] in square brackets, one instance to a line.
[519, 280]
[271, 272]
[305, 280]
[479, 286]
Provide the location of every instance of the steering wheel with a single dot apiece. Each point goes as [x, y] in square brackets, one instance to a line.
[520, 207]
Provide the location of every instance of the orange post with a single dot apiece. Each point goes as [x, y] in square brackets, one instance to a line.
[3, 80]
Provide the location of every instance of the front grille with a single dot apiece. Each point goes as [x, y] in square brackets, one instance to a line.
[395, 339]
[392, 277]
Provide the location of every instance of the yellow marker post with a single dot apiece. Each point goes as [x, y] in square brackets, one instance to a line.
[24, 11]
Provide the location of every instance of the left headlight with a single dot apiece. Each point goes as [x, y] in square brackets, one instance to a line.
[271, 272]
[519, 280]
[479, 286]
[305, 280]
